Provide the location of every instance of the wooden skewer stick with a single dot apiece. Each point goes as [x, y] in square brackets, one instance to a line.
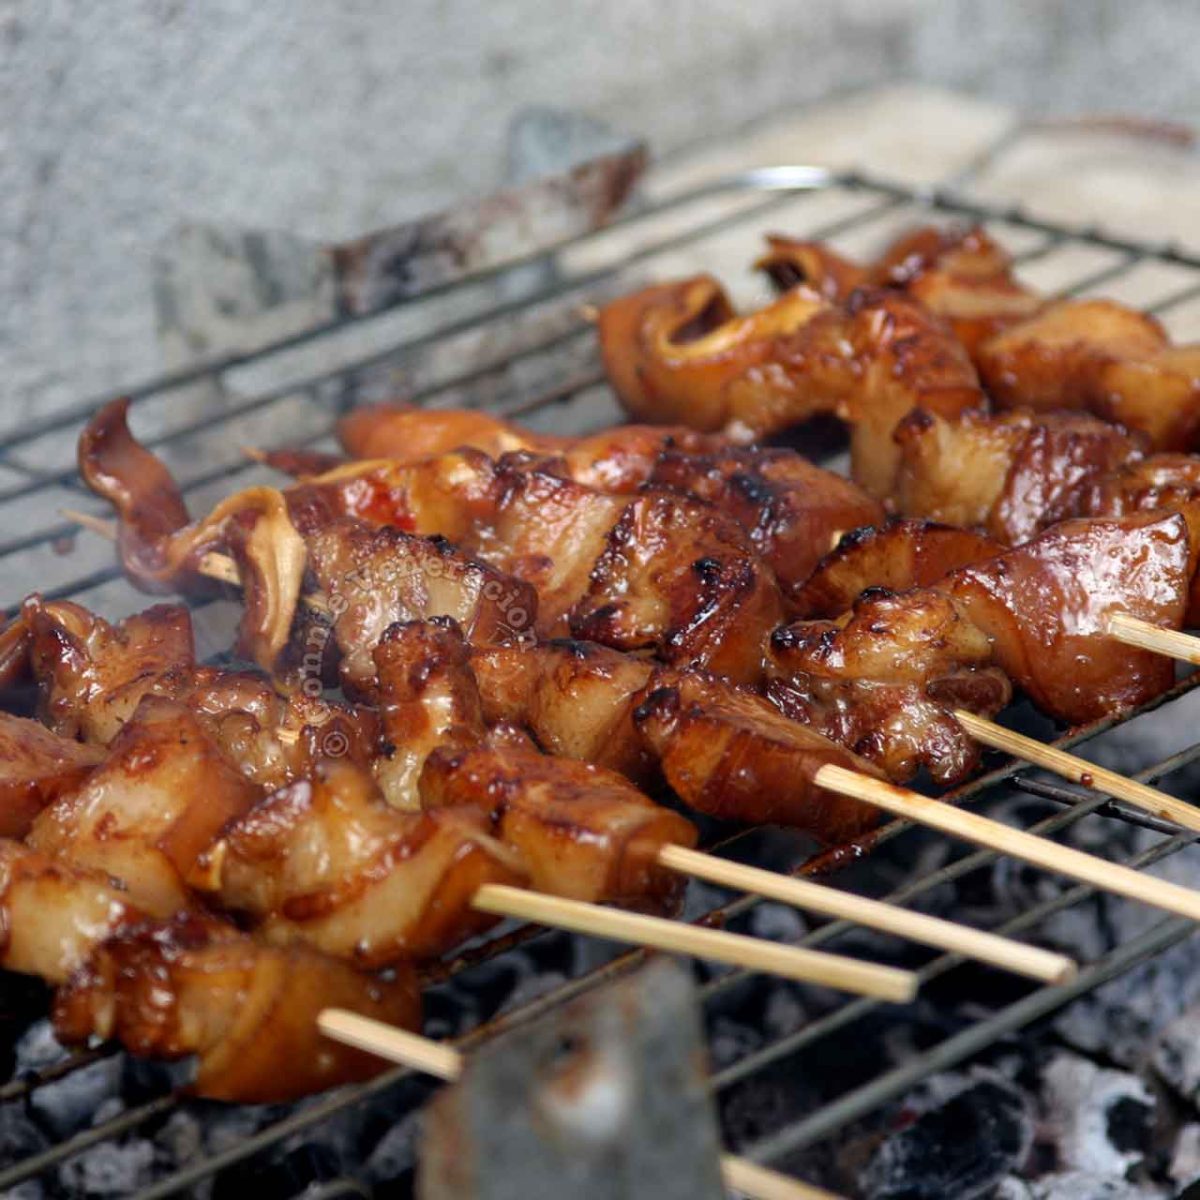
[1133, 631]
[1069, 766]
[1029, 961]
[755, 954]
[1041, 852]
[444, 1062]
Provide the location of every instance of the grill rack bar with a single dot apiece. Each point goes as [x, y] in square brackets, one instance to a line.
[788, 183]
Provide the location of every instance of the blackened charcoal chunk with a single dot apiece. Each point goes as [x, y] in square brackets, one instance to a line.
[957, 1151]
[109, 1169]
[280, 1177]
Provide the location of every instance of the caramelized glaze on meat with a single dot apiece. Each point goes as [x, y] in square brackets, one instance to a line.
[327, 861]
[575, 698]
[372, 578]
[790, 508]
[36, 767]
[53, 913]
[1103, 357]
[92, 675]
[1046, 604]
[248, 1012]
[896, 556]
[1160, 483]
[427, 698]
[961, 274]
[885, 678]
[584, 832]
[732, 754]
[150, 809]
[677, 353]
[1010, 474]
[682, 579]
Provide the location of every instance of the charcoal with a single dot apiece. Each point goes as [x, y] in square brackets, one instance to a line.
[1082, 1185]
[957, 1150]
[395, 1152]
[69, 1104]
[1100, 1120]
[1176, 1054]
[108, 1169]
[1185, 1158]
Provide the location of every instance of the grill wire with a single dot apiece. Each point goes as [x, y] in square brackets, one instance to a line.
[851, 205]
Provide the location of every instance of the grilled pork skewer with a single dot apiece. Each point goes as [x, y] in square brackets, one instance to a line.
[187, 985]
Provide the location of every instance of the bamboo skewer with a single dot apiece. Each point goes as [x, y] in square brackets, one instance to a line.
[1006, 953]
[1030, 961]
[789, 962]
[1133, 631]
[1069, 766]
[1051, 856]
[444, 1062]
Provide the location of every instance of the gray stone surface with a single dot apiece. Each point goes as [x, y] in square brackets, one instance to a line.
[123, 120]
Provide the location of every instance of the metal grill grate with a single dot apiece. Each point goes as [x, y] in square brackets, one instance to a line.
[289, 393]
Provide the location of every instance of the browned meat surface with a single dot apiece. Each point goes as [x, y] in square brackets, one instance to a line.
[583, 832]
[548, 531]
[897, 556]
[161, 551]
[248, 1012]
[678, 353]
[53, 913]
[150, 809]
[960, 274]
[575, 698]
[884, 679]
[92, 675]
[732, 754]
[36, 767]
[790, 508]
[327, 861]
[1105, 358]
[404, 433]
[427, 698]
[682, 579]
[1009, 474]
[372, 578]
[1046, 604]
[1160, 483]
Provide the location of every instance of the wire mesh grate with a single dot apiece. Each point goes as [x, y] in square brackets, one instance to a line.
[200, 415]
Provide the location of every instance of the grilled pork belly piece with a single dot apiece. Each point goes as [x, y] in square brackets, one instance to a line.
[160, 551]
[730, 753]
[145, 815]
[1160, 483]
[961, 274]
[790, 508]
[427, 698]
[53, 913]
[584, 832]
[677, 352]
[896, 556]
[328, 862]
[1008, 474]
[1102, 357]
[372, 578]
[883, 680]
[248, 1012]
[680, 578]
[36, 767]
[575, 698]
[92, 675]
[1045, 606]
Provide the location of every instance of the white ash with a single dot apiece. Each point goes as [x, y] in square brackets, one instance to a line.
[109, 1169]
[1094, 1116]
[1081, 1185]
[1175, 1054]
[1184, 1168]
